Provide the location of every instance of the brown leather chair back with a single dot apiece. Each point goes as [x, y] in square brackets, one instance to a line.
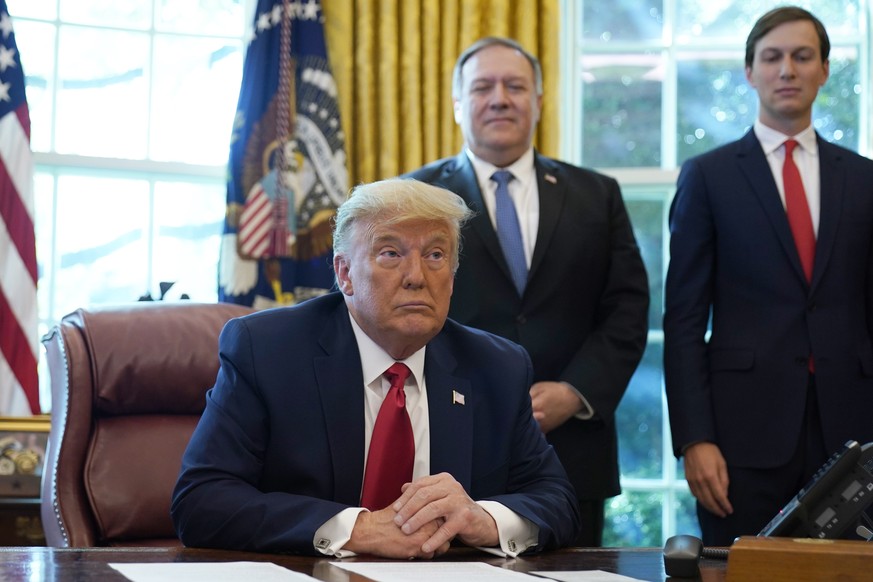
[128, 387]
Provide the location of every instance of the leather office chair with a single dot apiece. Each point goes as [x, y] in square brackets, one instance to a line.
[128, 387]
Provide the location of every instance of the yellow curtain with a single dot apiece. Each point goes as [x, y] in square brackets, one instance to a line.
[393, 62]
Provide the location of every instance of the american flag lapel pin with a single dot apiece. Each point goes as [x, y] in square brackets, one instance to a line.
[551, 179]
[457, 398]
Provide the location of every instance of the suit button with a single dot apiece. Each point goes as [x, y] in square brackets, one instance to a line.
[800, 361]
[521, 319]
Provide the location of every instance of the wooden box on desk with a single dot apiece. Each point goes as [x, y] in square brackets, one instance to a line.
[799, 559]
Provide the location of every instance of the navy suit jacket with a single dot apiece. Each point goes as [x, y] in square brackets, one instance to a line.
[279, 449]
[583, 317]
[733, 259]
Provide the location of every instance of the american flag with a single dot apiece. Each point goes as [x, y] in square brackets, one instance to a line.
[19, 383]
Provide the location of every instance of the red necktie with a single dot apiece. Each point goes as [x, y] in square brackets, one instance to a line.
[797, 207]
[799, 218]
[392, 448]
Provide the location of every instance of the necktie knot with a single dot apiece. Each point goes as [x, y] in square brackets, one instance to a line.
[789, 147]
[396, 375]
[502, 177]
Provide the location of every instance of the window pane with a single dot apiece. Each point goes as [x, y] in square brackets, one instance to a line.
[36, 45]
[218, 17]
[119, 13]
[43, 198]
[715, 102]
[44, 9]
[101, 242]
[837, 111]
[632, 20]
[196, 84]
[189, 219]
[622, 110]
[639, 419]
[647, 218]
[103, 98]
[717, 21]
[633, 519]
[686, 513]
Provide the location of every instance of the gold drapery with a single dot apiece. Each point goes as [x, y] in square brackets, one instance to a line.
[393, 60]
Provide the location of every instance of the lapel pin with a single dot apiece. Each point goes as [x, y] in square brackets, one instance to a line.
[457, 398]
[551, 179]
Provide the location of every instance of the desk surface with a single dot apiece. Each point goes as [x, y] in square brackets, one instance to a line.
[84, 564]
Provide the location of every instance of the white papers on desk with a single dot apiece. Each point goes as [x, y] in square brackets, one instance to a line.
[209, 572]
[425, 571]
[585, 576]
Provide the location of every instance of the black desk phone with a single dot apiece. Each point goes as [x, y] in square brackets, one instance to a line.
[833, 500]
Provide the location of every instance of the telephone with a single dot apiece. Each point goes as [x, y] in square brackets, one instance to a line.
[834, 499]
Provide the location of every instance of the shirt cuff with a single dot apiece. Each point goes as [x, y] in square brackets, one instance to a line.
[516, 534]
[587, 412]
[336, 532]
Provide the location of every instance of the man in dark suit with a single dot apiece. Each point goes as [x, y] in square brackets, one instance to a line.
[288, 449]
[580, 309]
[784, 269]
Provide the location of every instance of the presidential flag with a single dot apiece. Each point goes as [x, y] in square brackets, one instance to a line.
[19, 383]
[287, 171]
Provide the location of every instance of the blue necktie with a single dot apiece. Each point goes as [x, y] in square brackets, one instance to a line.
[508, 230]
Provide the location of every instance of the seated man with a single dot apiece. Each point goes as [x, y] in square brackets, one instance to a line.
[295, 451]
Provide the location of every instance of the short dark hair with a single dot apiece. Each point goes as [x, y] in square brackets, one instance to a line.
[482, 43]
[782, 15]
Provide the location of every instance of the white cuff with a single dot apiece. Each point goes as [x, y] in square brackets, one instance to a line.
[587, 413]
[516, 533]
[336, 532]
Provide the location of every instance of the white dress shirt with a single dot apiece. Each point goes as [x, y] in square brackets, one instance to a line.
[805, 158]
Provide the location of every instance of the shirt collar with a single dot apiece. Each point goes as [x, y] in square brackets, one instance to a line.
[771, 139]
[375, 360]
[522, 168]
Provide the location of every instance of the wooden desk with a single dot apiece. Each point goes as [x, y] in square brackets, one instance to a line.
[92, 563]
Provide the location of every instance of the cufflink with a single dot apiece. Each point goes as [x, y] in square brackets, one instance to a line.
[322, 544]
[511, 545]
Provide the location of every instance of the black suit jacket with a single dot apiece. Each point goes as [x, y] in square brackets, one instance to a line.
[733, 260]
[583, 316]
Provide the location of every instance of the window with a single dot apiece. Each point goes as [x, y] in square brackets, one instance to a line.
[655, 82]
[131, 105]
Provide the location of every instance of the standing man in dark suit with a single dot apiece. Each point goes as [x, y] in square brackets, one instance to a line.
[294, 452]
[576, 297]
[784, 268]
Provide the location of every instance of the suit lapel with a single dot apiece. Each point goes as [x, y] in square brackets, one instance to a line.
[552, 192]
[754, 166]
[451, 423]
[832, 183]
[340, 382]
[459, 177]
